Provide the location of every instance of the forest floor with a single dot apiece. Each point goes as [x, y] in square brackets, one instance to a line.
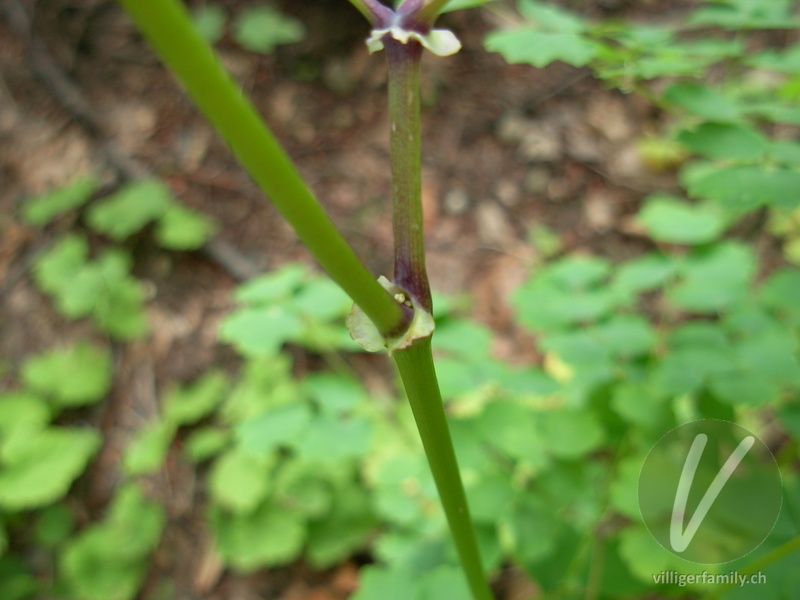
[506, 149]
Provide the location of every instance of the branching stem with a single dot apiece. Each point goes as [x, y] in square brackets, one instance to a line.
[168, 27]
[415, 363]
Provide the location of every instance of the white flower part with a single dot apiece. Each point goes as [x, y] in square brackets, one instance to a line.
[441, 42]
[367, 335]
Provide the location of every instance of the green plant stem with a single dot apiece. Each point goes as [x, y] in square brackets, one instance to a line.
[415, 365]
[404, 114]
[373, 10]
[431, 10]
[167, 25]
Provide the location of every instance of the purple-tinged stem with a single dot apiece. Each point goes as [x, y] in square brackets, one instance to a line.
[404, 114]
[377, 14]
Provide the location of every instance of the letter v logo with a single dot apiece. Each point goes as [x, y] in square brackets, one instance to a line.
[679, 538]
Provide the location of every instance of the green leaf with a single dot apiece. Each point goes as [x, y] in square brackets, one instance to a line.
[108, 560]
[529, 531]
[463, 338]
[147, 451]
[540, 48]
[382, 583]
[263, 384]
[570, 433]
[640, 405]
[444, 582]
[120, 311]
[579, 271]
[697, 350]
[550, 17]
[642, 554]
[668, 219]
[763, 366]
[269, 288]
[745, 187]
[274, 428]
[564, 293]
[188, 404]
[38, 469]
[702, 101]
[345, 529]
[640, 51]
[334, 393]
[490, 496]
[624, 336]
[73, 376]
[542, 305]
[209, 20]
[403, 489]
[260, 28]
[16, 580]
[327, 438]
[746, 14]
[715, 279]
[268, 536]
[54, 525]
[102, 288]
[41, 210]
[320, 299]
[781, 292]
[80, 298]
[512, 429]
[784, 61]
[240, 481]
[772, 108]
[624, 489]
[644, 273]
[724, 141]
[131, 208]
[180, 228]
[303, 487]
[260, 332]
[784, 152]
[205, 443]
[22, 409]
[579, 348]
[57, 268]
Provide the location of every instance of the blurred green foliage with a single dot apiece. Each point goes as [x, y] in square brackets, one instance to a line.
[258, 27]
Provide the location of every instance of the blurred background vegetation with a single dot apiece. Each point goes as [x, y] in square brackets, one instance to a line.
[612, 201]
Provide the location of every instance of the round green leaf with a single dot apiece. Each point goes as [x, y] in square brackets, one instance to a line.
[668, 219]
[72, 376]
[260, 28]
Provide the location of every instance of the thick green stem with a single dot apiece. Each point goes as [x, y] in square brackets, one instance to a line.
[409, 245]
[415, 365]
[168, 27]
